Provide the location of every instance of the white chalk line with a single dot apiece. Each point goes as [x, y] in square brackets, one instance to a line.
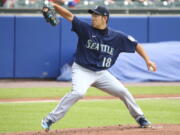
[87, 100]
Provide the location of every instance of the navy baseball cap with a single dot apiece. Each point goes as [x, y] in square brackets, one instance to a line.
[100, 10]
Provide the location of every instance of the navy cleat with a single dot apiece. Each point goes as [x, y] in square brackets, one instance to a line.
[46, 124]
[143, 122]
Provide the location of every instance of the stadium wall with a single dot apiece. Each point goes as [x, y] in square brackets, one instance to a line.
[31, 48]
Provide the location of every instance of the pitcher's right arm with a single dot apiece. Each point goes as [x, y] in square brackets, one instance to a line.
[63, 12]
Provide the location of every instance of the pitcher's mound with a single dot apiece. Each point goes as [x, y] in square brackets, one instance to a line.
[159, 129]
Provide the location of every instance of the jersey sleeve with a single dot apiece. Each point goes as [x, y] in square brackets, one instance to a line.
[129, 44]
[79, 26]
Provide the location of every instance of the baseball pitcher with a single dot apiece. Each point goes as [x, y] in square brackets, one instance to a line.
[97, 50]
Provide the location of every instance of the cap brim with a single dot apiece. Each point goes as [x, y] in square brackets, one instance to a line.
[91, 11]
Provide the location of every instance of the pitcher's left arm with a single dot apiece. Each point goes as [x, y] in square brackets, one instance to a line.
[150, 65]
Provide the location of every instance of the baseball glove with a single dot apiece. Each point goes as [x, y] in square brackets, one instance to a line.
[49, 14]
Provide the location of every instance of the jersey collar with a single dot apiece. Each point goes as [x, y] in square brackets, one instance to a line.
[102, 31]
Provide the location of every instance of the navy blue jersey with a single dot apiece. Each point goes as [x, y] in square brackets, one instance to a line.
[98, 49]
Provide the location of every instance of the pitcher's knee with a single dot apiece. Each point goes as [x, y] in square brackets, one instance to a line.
[78, 94]
[123, 92]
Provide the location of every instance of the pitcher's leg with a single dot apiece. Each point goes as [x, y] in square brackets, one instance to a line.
[65, 103]
[79, 88]
[111, 85]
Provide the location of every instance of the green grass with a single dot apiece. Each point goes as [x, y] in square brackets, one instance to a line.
[27, 116]
[16, 117]
[59, 92]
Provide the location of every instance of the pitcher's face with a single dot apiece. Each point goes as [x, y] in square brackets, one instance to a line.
[98, 21]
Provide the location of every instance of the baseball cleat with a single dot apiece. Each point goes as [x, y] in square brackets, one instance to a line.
[143, 122]
[46, 124]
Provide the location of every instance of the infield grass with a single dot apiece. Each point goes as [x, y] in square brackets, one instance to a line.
[59, 92]
[16, 117]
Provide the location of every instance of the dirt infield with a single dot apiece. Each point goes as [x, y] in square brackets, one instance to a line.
[27, 83]
[160, 129]
[169, 96]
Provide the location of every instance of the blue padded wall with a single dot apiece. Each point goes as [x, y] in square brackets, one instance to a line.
[6, 46]
[37, 48]
[32, 48]
[164, 28]
[68, 42]
[136, 26]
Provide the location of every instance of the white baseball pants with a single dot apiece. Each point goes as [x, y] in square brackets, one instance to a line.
[82, 79]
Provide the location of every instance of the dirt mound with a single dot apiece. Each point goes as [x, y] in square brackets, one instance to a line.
[158, 129]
